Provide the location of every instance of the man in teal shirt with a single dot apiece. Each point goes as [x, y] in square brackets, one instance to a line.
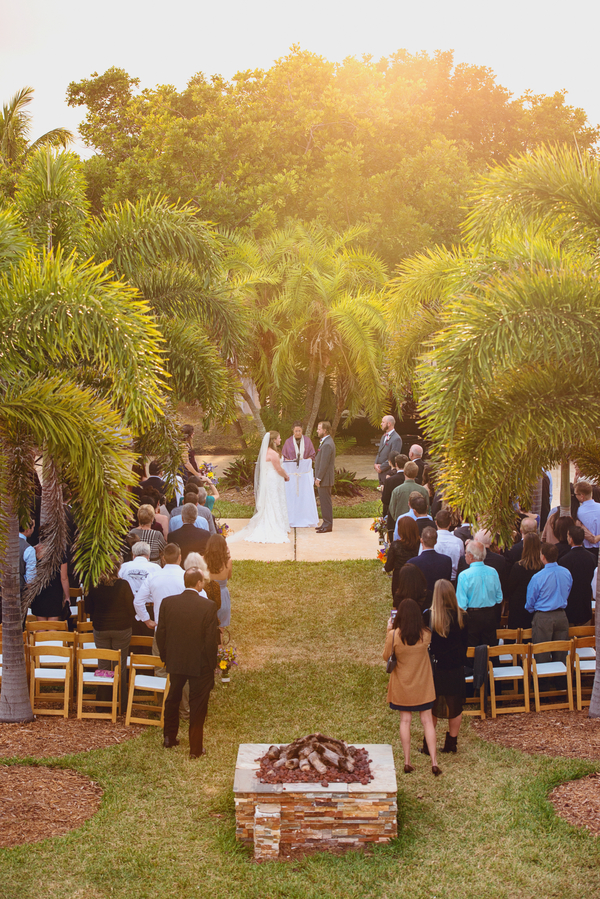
[479, 594]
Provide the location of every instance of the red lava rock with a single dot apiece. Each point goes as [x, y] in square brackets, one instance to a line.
[324, 783]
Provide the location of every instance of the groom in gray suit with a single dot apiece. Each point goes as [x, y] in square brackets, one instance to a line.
[325, 475]
[390, 444]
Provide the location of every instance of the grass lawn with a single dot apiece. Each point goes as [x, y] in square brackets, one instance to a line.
[309, 639]
[225, 509]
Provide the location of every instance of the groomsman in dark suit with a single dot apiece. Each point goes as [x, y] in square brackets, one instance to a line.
[390, 443]
[325, 475]
[188, 637]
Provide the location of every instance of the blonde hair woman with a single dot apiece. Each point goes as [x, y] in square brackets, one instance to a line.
[145, 532]
[447, 623]
[211, 588]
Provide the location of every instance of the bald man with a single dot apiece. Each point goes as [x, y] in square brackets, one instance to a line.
[415, 454]
[390, 444]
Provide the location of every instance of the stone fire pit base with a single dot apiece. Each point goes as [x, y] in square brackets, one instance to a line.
[309, 816]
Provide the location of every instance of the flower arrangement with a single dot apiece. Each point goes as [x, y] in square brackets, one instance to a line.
[380, 527]
[382, 553]
[207, 470]
[223, 529]
[226, 657]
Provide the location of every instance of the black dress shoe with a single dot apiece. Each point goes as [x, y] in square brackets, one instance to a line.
[192, 756]
[324, 530]
[168, 743]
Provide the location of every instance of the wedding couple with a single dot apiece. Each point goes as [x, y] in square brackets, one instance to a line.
[270, 522]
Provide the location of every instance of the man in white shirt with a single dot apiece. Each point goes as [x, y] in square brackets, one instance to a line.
[140, 568]
[167, 581]
[447, 543]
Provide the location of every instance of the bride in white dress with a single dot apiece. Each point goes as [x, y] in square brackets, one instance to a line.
[270, 522]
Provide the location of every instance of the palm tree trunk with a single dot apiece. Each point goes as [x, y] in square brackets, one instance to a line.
[316, 399]
[255, 413]
[339, 408]
[310, 388]
[14, 694]
[565, 488]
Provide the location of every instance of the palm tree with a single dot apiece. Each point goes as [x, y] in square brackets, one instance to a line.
[15, 130]
[505, 333]
[71, 339]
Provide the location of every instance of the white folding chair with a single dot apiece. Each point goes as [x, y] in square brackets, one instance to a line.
[552, 669]
[514, 672]
[585, 666]
[142, 682]
[90, 678]
[57, 672]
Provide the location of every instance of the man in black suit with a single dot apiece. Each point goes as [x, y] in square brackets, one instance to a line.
[581, 564]
[434, 565]
[188, 637]
[390, 443]
[415, 454]
[325, 475]
[188, 537]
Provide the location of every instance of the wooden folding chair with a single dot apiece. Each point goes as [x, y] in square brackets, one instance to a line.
[142, 682]
[514, 673]
[585, 666]
[552, 669]
[473, 700]
[90, 678]
[33, 627]
[52, 675]
[141, 645]
[77, 595]
[51, 640]
[587, 651]
[85, 627]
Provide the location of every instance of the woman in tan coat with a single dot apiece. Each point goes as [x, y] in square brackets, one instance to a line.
[411, 688]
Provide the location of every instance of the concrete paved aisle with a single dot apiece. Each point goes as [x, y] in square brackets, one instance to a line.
[351, 538]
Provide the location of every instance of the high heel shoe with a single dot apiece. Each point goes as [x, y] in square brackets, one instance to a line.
[408, 769]
[436, 771]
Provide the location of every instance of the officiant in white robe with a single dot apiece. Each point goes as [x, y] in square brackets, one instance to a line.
[297, 461]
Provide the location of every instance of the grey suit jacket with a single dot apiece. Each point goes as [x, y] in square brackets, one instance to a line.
[325, 462]
[394, 445]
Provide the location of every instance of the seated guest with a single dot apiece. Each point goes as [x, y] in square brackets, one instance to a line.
[402, 549]
[478, 592]
[434, 566]
[518, 580]
[188, 537]
[417, 510]
[581, 565]
[143, 532]
[412, 584]
[528, 526]
[447, 543]
[399, 498]
[547, 596]
[561, 527]
[211, 588]
[200, 522]
[393, 480]
[110, 606]
[155, 480]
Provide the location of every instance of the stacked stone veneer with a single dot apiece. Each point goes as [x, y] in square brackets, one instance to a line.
[310, 815]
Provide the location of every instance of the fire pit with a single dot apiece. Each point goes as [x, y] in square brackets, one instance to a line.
[308, 815]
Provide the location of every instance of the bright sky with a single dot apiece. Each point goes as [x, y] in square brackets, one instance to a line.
[543, 45]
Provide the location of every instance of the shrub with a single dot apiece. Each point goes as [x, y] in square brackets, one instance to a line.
[346, 483]
[239, 474]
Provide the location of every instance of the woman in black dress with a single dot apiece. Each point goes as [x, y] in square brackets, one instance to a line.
[518, 581]
[403, 549]
[449, 639]
[110, 606]
[52, 602]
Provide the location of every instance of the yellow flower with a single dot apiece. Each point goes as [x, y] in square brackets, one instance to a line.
[223, 665]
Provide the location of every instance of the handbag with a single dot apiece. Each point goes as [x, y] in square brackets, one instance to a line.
[433, 660]
[392, 661]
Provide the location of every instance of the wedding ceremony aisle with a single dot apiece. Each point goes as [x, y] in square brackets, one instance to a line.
[351, 538]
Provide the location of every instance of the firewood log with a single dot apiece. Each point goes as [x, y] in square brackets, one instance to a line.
[292, 763]
[316, 762]
[331, 757]
[280, 763]
[347, 765]
[304, 764]
[273, 752]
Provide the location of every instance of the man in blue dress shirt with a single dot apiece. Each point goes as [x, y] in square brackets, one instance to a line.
[589, 515]
[478, 592]
[547, 596]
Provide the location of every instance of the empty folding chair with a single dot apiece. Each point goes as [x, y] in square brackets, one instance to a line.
[587, 651]
[155, 688]
[52, 676]
[585, 666]
[552, 669]
[517, 671]
[94, 679]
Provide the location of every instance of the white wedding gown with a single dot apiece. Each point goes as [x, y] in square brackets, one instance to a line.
[270, 524]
